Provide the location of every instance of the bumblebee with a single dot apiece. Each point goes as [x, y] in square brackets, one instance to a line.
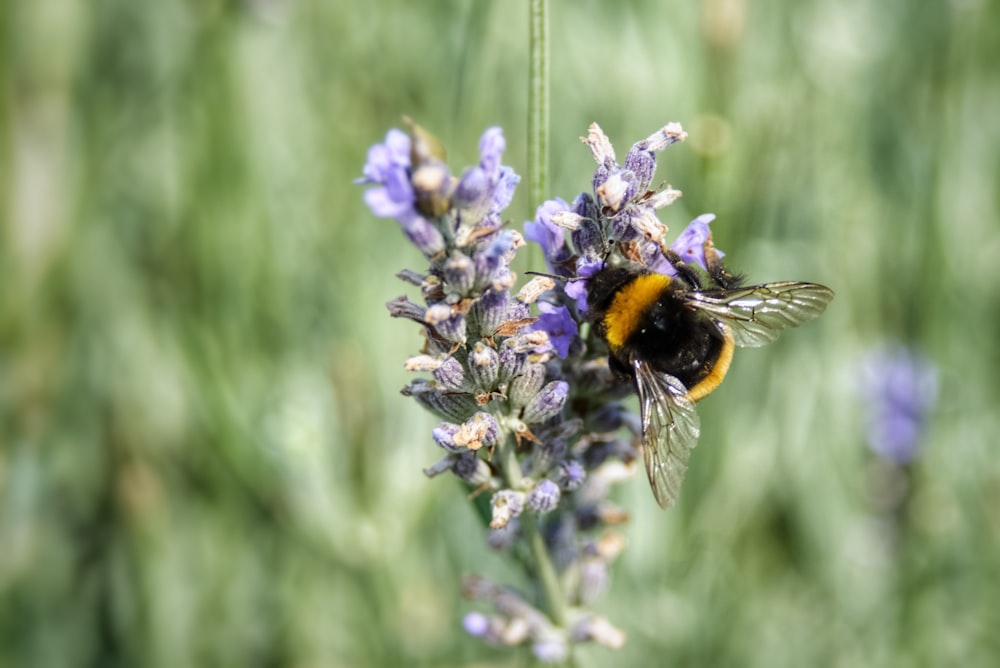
[675, 339]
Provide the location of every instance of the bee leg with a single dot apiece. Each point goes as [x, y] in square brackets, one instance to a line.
[685, 271]
[622, 371]
[717, 271]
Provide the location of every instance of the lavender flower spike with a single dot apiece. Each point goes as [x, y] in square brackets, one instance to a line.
[530, 412]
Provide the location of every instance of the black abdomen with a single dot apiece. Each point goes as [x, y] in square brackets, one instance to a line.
[673, 339]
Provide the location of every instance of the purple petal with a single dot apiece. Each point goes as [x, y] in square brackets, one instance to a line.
[503, 191]
[544, 232]
[472, 188]
[578, 289]
[491, 148]
[690, 245]
[557, 322]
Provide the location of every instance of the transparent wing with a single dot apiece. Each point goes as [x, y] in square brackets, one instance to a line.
[757, 314]
[670, 429]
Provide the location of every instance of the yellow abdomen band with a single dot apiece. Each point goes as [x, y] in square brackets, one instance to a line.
[630, 305]
[706, 385]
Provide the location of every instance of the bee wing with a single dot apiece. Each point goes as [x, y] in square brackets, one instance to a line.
[670, 428]
[757, 314]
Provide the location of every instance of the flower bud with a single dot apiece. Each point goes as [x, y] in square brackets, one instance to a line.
[460, 273]
[449, 323]
[524, 387]
[589, 240]
[547, 403]
[472, 189]
[593, 579]
[641, 162]
[401, 307]
[544, 497]
[472, 469]
[664, 197]
[511, 361]
[476, 624]
[423, 235]
[411, 277]
[571, 475]
[568, 220]
[484, 367]
[491, 309]
[599, 144]
[503, 538]
[616, 191]
[452, 406]
[551, 648]
[507, 504]
[669, 134]
[422, 363]
[482, 429]
[432, 188]
[534, 289]
[621, 229]
[444, 435]
[450, 374]
[446, 463]
[648, 225]
[495, 253]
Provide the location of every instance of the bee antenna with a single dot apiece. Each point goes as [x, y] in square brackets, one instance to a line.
[566, 279]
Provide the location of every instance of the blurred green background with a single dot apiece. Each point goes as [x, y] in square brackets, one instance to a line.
[204, 458]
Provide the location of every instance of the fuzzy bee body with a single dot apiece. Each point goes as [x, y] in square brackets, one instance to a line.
[675, 341]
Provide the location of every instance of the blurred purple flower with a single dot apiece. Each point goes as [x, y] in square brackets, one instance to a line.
[900, 387]
[476, 624]
[388, 166]
[485, 190]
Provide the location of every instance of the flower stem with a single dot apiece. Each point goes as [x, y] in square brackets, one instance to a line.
[538, 103]
[546, 571]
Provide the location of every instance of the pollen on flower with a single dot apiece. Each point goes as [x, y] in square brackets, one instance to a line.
[599, 144]
[533, 340]
[650, 226]
[422, 363]
[534, 289]
[612, 193]
[568, 220]
[507, 504]
[664, 197]
[671, 133]
[480, 430]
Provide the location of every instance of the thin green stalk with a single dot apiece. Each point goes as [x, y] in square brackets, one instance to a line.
[548, 577]
[538, 173]
[538, 104]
